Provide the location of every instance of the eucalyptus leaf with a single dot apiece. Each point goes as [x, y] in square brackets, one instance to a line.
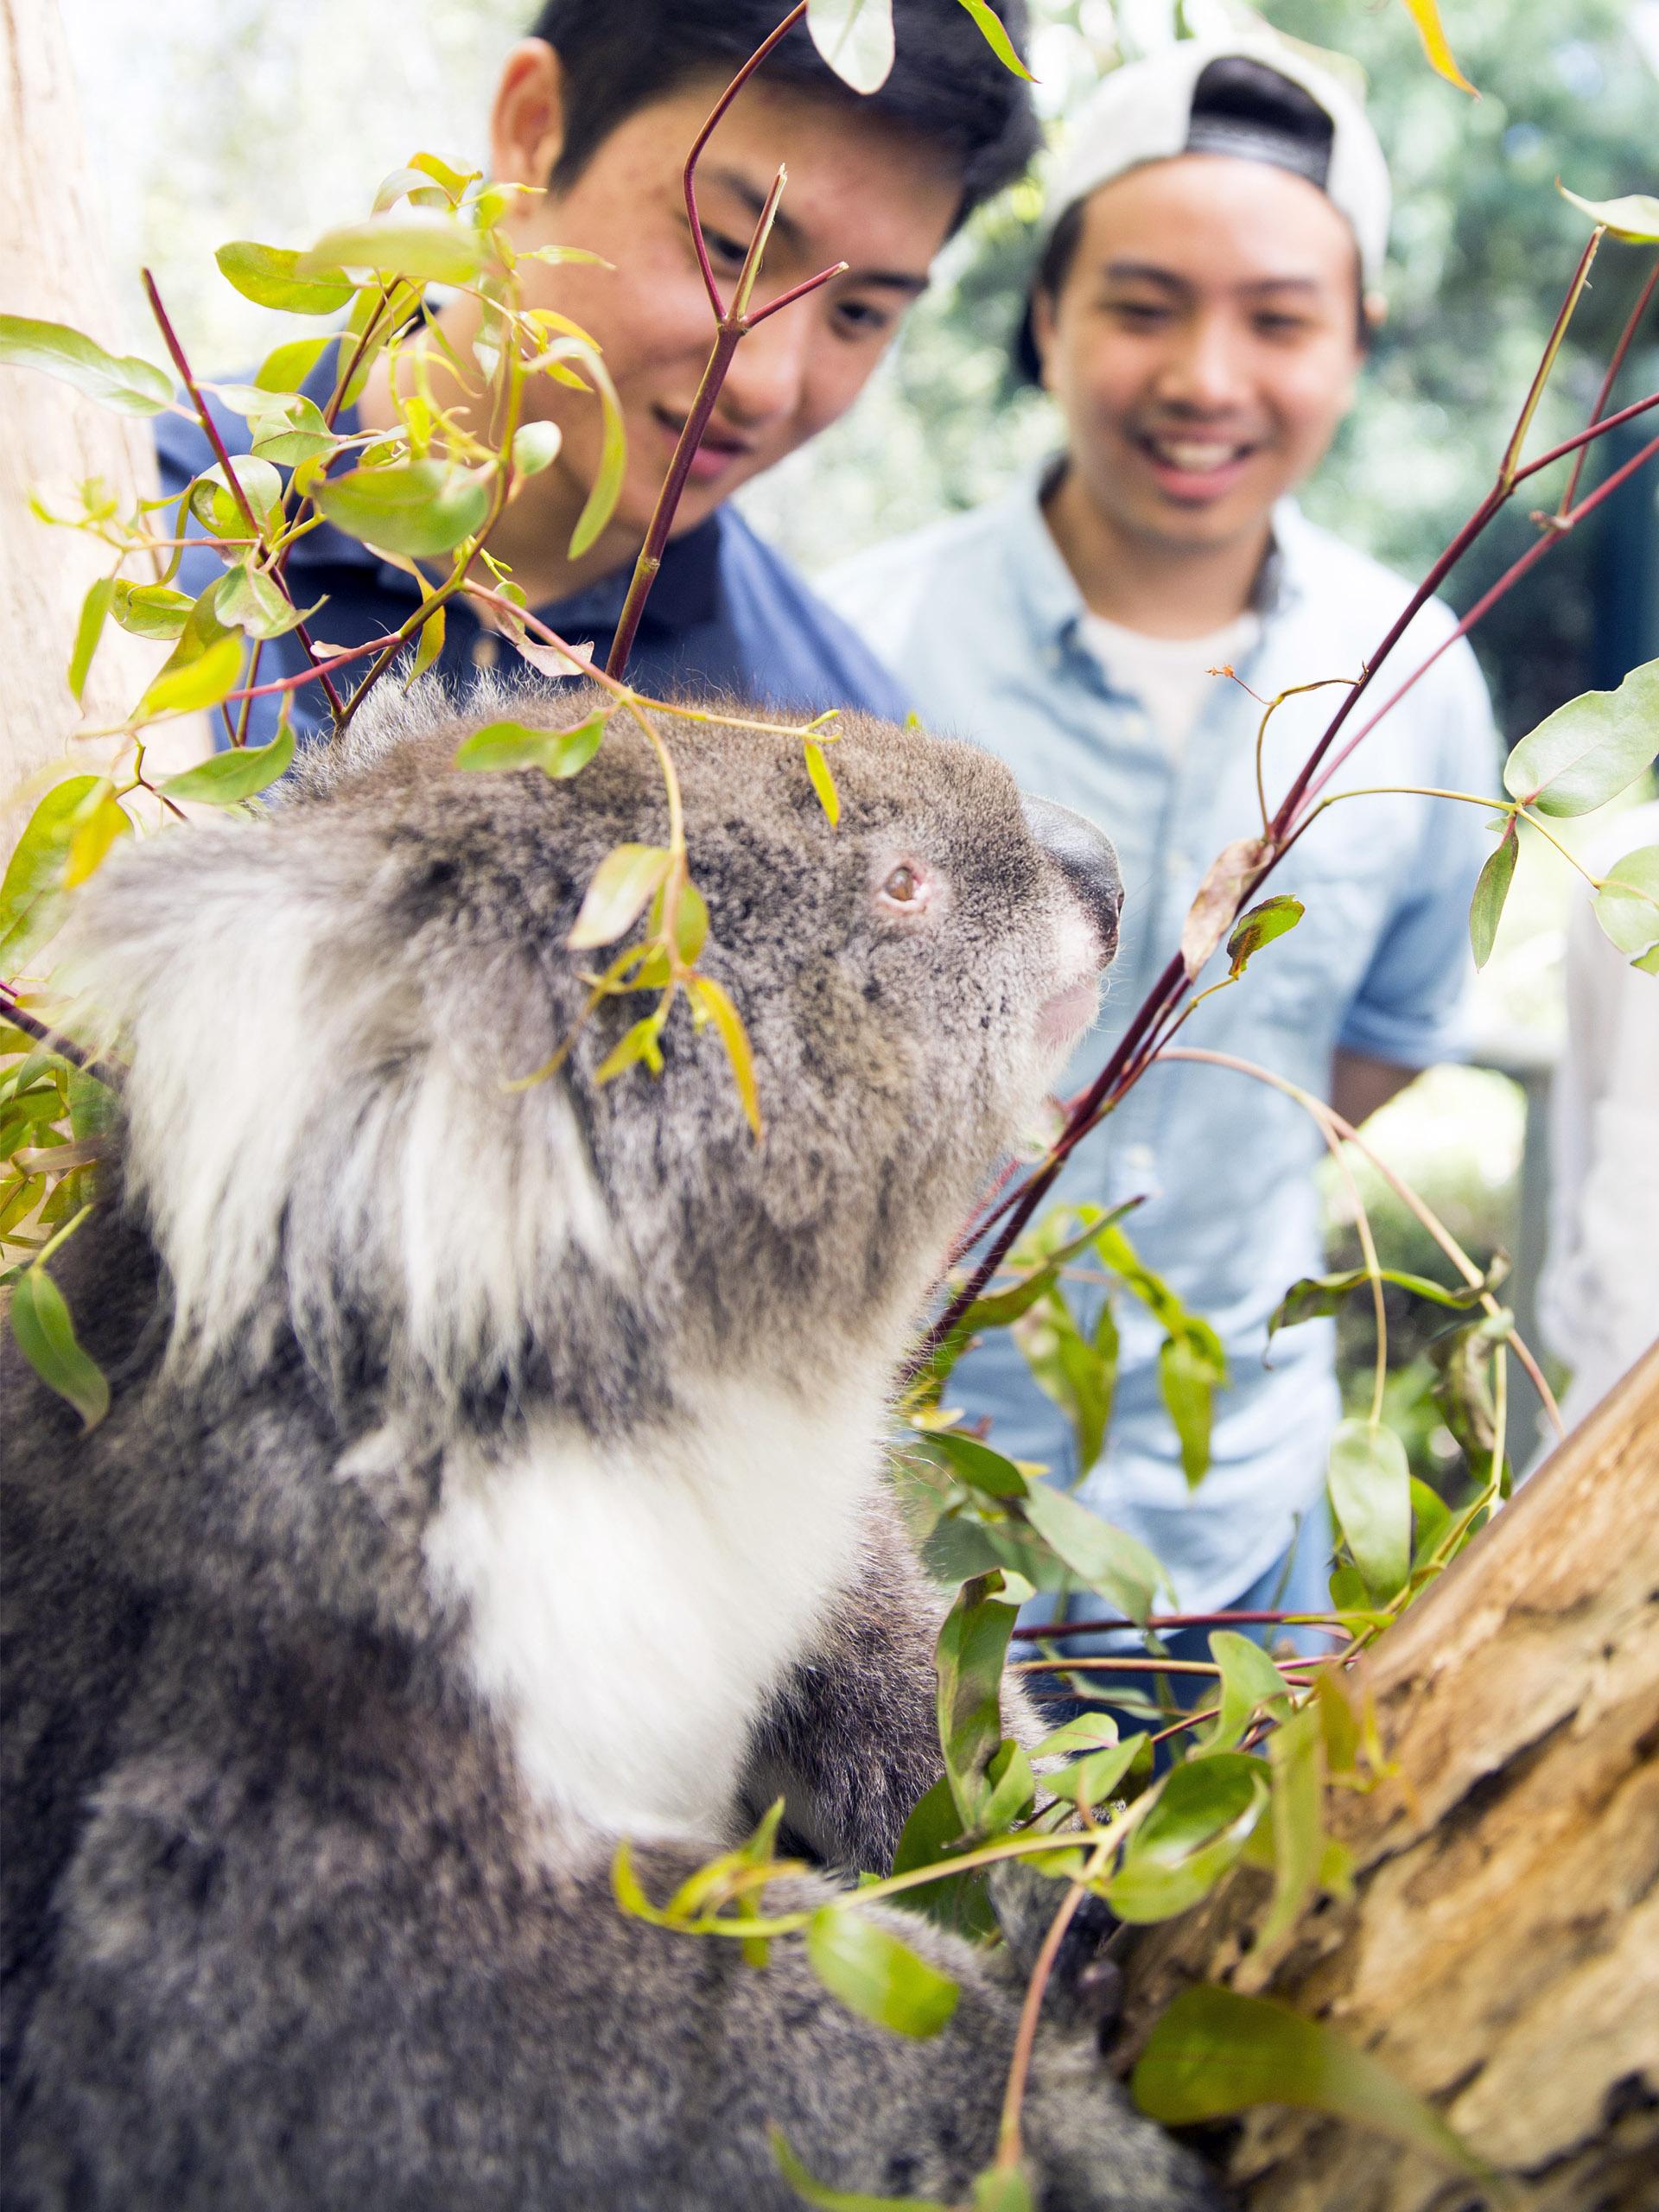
[1635, 219]
[1589, 750]
[418, 508]
[1206, 1811]
[151, 610]
[1426, 15]
[1188, 1374]
[823, 782]
[94, 612]
[1272, 918]
[1316, 1296]
[508, 745]
[288, 366]
[1216, 2052]
[973, 1646]
[228, 778]
[426, 245]
[931, 1837]
[712, 1001]
[33, 900]
[1296, 1759]
[122, 381]
[97, 825]
[855, 39]
[203, 681]
[1116, 1564]
[46, 1337]
[1627, 905]
[977, 1464]
[536, 447]
[1492, 889]
[271, 276]
[873, 1974]
[1370, 1493]
[1250, 1684]
[1001, 45]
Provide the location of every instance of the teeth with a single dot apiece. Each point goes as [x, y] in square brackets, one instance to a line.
[1194, 455]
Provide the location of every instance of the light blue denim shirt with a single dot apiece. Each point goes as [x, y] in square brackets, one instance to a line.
[978, 617]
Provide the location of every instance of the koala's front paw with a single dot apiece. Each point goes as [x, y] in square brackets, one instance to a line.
[1089, 2150]
[1085, 1989]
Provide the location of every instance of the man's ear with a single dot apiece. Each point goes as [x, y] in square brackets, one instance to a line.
[1373, 313]
[527, 119]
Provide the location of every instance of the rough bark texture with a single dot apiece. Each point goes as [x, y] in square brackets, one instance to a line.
[54, 265]
[1502, 1952]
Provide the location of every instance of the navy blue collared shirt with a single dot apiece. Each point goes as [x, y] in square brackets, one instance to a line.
[727, 615]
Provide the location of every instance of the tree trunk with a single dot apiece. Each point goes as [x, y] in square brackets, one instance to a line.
[1501, 1953]
[55, 265]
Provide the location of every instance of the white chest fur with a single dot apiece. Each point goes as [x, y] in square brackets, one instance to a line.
[630, 1608]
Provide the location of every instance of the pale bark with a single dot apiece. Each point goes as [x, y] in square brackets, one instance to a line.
[55, 265]
[1502, 1952]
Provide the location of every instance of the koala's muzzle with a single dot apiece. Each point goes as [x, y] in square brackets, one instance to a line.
[1086, 860]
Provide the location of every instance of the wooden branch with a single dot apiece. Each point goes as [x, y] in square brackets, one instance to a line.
[1502, 1952]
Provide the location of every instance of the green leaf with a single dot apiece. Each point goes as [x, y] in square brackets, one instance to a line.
[1206, 1811]
[427, 652]
[838, 2200]
[823, 783]
[272, 278]
[622, 886]
[1250, 1683]
[419, 508]
[1426, 15]
[977, 1464]
[422, 243]
[1096, 1774]
[1370, 1493]
[46, 1337]
[286, 367]
[212, 501]
[932, 1836]
[1635, 219]
[226, 779]
[94, 611]
[1492, 889]
[1107, 1560]
[973, 1646]
[711, 999]
[1076, 1375]
[1589, 750]
[200, 681]
[1316, 1296]
[1627, 905]
[600, 503]
[1188, 1373]
[639, 1043]
[124, 383]
[502, 746]
[536, 447]
[855, 38]
[999, 42]
[97, 825]
[293, 432]
[1296, 1757]
[1216, 2052]
[33, 900]
[1272, 918]
[873, 1974]
[151, 610]
[250, 600]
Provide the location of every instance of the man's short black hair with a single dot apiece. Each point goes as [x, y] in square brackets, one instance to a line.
[946, 86]
[1240, 107]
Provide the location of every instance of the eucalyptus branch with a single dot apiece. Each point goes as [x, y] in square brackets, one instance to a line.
[210, 430]
[1231, 1616]
[53, 1039]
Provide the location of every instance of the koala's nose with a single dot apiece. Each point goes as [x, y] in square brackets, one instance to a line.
[1086, 859]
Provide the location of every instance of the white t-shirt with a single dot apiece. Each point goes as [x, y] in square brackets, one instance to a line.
[1170, 675]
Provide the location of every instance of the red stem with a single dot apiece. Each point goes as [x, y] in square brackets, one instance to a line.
[1159, 1622]
[170, 338]
[1632, 322]
[689, 175]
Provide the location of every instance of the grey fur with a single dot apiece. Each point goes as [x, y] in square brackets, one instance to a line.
[285, 1926]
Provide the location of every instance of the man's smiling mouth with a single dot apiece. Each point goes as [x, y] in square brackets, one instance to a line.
[717, 450]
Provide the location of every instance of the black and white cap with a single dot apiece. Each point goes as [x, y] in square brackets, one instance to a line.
[1263, 99]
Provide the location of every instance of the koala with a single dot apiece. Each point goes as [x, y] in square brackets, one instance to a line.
[495, 1470]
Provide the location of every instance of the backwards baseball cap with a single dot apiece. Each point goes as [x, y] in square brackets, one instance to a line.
[1261, 99]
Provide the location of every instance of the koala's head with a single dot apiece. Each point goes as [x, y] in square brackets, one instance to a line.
[325, 1014]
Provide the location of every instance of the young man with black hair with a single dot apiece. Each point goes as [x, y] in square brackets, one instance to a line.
[1213, 241]
[596, 109]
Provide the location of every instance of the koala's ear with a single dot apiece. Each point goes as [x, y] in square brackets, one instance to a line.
[224, 965]
[313, 1021]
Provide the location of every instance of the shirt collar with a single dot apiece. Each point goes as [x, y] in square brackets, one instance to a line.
[686, 591]
[1054, 605]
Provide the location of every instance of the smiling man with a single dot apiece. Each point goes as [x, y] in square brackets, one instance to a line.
[1211, 246]
[596, 110]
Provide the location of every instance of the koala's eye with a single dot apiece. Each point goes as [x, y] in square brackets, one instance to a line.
[909, 890]
[903, 886]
